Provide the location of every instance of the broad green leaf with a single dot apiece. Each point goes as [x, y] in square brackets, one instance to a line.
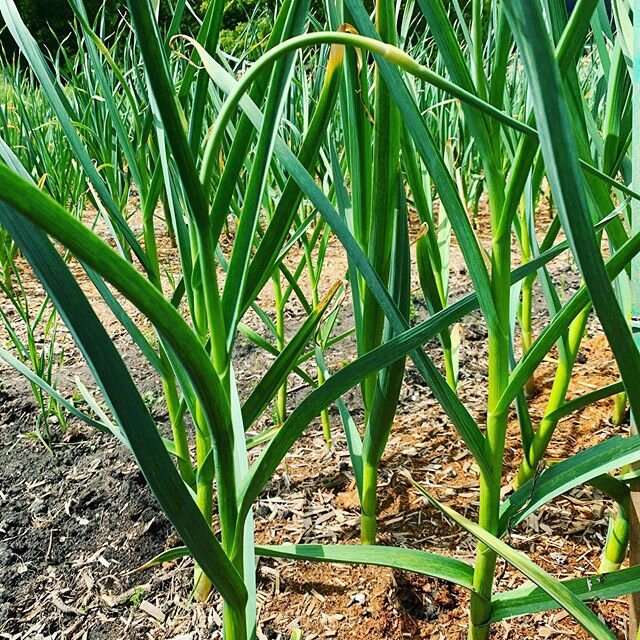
[195, 364]
[560, 478]
[585, 400]
[552, 587]
[428, 564]
[115, 381]
[530, 599]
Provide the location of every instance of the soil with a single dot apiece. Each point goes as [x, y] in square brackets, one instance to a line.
[76, 519]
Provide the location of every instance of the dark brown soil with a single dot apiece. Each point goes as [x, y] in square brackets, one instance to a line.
[74, 520]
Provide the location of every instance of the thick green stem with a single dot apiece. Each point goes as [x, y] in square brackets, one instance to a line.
[235, 623]
[203, 314]
[527, 330]
[216, 330]
[619, 408]
[236, 620]
[381, 391]
[379, 424]
[204, 496]
[488, 518]
[281, 402]
[220, 460]
[177, 426]
[485, 564]
[368, 520]
[615, 549]
[557, 397]
[484, 568]
[490, 484]
[386, 146]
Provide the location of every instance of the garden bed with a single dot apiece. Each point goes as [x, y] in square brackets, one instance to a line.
[78, 518]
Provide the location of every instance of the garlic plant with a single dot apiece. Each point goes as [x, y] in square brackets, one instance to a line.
[211, 146]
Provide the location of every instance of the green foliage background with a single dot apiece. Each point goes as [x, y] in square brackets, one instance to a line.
[49, 20]
[245, 21]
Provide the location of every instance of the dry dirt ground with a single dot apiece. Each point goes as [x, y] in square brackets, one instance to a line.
[77, 519]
